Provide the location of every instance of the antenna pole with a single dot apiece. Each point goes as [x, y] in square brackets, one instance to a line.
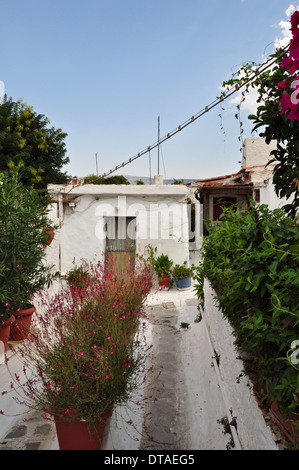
[97, 164]
[158, 145]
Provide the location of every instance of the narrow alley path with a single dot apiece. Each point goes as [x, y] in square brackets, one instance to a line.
[182, 398]
[183, 404]
[165, 424]
[185, 408]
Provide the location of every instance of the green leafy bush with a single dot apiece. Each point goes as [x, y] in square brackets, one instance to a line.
[251, 260]
[23, 268]
[163, 265]
[181, 271]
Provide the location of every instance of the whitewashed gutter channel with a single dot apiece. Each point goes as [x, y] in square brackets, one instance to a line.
[251, 431]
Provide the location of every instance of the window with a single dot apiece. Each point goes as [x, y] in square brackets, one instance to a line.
[257, 195]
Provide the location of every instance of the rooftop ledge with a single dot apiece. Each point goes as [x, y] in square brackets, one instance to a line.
[119, 189]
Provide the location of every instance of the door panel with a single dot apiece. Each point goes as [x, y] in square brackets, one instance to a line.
[219, 203]
[121, 242]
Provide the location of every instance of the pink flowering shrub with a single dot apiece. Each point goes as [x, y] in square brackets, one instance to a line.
[88, 353]
[289, 101]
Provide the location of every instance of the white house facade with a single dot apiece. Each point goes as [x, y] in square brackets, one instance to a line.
[96, 219]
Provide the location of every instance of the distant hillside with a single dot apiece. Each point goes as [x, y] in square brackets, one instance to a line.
[146, 179]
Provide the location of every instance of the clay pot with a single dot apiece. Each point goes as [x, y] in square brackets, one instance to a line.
[77, 435]
[20, 328]
[50, 235]
[5, 327]
[286, 424]
[164, 282]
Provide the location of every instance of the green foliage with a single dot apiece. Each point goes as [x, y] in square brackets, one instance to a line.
[181, 271]
[251, 260]
[162, 265]
[77, 276]
[118, 179]
[176, 181]
[22, 243]
[78, 279]
[27, 139]
[274, 126]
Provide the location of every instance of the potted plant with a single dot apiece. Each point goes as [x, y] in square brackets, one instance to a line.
[22, 238]
[89, 356]
[162, 265]
[49, 233]
[6, 319]
[182, 275]
[78, 279]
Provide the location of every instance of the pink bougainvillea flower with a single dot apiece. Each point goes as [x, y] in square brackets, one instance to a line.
[294, 113]
[295, 21]
[294, 43]
[295, 66]
[107, 376]
[284, 85]
[285, 103]
[288, 323]
[287, 63]
[289, 101]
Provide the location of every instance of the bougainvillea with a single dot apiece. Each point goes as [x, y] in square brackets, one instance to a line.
[277, 115]
[289, 101]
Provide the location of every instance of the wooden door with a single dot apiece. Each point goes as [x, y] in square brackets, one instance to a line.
[120, 242]
[219, 203]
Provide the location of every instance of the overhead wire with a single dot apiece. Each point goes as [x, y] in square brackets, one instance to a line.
[224, 96]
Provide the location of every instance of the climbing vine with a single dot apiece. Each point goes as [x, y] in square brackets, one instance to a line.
[277, 115]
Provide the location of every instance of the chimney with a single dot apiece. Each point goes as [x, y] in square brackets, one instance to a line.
[158, 180]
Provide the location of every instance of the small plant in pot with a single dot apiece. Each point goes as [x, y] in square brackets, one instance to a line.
[88, 356]
[182, 275]
[22, 252]
[163, 265]
[79, 280]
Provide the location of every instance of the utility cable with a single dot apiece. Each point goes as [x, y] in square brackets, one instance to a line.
[224, 96]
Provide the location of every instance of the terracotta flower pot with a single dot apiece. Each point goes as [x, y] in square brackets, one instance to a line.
[5, 327]
[20, 328]
[164, 282]
[285, 423]
[77, 435]
[50, 235]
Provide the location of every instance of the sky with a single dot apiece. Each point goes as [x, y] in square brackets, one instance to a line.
[104, 70]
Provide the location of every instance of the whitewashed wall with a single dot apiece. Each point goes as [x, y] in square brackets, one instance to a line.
[161, 220]
[268, 196]
[237, 390]
[256, 151]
